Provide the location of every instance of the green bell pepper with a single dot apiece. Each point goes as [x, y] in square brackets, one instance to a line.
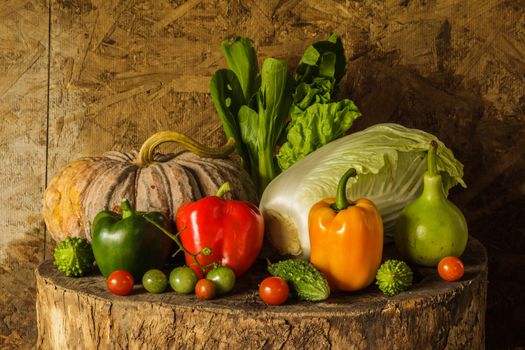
[129, 241]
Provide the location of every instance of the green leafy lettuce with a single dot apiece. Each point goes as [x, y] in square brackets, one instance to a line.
[316, 119]
[315, 127]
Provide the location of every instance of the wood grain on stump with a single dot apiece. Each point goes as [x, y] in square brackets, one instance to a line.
[80, 313]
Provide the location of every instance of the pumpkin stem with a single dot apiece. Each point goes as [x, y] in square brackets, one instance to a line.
[145, 156]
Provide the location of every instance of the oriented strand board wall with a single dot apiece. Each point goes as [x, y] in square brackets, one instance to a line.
[121, 70]
[23, 115]
[23, 109]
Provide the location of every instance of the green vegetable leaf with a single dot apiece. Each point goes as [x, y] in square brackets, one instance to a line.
[248, 123]
[242, 60]
[305, 95]
[227, 96]
[274, 100]
[327, 65]
[324, 58]
[317, 126]
[316, 120]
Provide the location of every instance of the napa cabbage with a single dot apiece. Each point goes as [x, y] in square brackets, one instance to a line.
[390, 162]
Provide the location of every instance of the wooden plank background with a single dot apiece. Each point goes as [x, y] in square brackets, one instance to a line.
[79, 77]
[24, 51]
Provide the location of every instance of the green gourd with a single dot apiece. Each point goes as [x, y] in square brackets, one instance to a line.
[394, 277]
[431, 227]
[307, 282]
[74, 257]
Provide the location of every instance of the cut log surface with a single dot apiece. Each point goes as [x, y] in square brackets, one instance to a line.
[80, 313]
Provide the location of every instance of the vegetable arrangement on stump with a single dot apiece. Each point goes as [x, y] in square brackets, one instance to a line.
[136, 210]
[81, 313]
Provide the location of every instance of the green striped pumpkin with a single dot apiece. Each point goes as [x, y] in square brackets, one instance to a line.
[150, 181]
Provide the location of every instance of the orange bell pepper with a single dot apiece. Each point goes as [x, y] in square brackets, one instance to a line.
[346, 239]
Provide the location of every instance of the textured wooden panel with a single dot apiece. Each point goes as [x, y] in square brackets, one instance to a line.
[23, 115]
[454, 68]
[23, 92]
[121, 70]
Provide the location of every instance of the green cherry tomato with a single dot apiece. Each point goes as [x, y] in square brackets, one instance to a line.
[183, 280]
[155, 281]
[224, 279]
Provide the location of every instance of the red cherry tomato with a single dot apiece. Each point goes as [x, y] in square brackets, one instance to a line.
[273, 290]
[120, 282]
[451, 268]
[205, 289]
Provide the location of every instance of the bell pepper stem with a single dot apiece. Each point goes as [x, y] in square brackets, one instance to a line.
[431, 158]
[341, 202]
[225, 188]
[127, 211]
[175, 238]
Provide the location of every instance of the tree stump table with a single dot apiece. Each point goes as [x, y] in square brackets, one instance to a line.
[80, 313]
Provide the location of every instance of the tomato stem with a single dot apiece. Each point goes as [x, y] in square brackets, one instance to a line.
[175, 238]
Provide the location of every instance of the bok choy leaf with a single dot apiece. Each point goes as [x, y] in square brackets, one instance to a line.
[253, 110]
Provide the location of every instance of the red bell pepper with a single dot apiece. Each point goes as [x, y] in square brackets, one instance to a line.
[232, 229]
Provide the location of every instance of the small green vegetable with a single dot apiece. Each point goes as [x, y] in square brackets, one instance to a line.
[155, 281]
[394, 277]
[224, 279]
[74, 257]
[306, 280]
[183, 280]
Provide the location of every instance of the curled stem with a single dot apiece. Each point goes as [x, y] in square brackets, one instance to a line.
[175, 238]
[145, 156]
[341, 201]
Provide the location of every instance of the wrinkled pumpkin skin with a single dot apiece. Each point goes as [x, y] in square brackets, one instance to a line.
[87, 186]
